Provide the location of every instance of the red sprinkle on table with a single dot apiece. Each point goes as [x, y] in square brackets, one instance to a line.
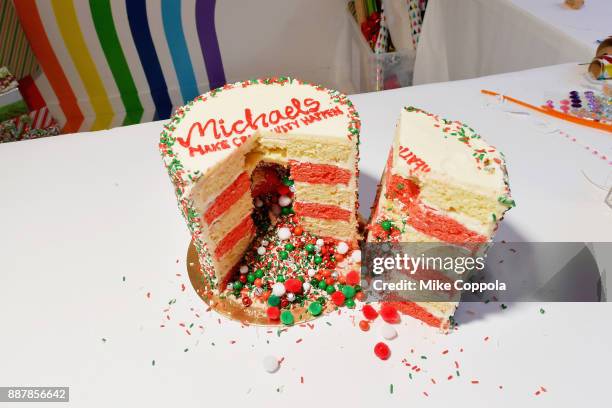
[369, 312]
[389, 314]
[364, 325]
[382, 351]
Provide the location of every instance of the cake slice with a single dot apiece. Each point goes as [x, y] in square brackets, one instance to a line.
[442, 183]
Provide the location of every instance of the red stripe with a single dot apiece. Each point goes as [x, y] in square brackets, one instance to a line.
[418, 312]
[228, 197]
[245, 228]
[33, 27]
[441, 227]
[319, 173]
[31, 94]
[328, 212]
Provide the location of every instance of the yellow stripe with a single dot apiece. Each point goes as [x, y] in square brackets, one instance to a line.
[67, 22]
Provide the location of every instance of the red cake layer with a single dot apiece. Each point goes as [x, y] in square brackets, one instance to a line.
[325, 211]
[319, 173]
[228, 197]
[402, 189]
[244, 228]
[418, 312]
[441, 227]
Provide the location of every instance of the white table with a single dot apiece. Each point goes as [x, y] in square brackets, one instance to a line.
[471, 38]
[89, 227]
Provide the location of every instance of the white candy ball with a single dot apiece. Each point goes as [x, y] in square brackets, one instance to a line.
[261, 250]
[258, 291]
[290, 297]
[230, 285]
[244, 269]
[284, 201]
[306, 287]
[342, 248]
[320, 243]
[284, 233]
[292, 188]
[258, 203]
[388, 332]
[278, 289]
[276, 210]
[356, 255]
[264, 242]
[312, 272]
[271, 364]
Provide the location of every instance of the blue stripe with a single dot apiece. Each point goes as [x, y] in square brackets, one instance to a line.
[173, 26]
[139, 26]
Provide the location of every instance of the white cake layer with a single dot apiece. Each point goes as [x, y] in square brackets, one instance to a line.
[427, 148]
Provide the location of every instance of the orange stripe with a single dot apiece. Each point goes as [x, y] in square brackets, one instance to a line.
[246, 227]
[228, 197]
[418, 312]
[32, 25]
[325, 211]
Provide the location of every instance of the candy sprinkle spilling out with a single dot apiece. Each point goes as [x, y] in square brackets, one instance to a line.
[382, 351]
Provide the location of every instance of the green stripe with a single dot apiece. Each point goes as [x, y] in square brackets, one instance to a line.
[109, 41]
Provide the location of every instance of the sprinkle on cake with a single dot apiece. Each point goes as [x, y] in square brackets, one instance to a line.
[254, 157]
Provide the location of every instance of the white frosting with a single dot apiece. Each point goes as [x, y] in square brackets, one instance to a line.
[426, 150]
[289, 105]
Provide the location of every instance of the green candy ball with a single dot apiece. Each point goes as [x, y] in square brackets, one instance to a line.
[350, 303]
[287, 318]
[314, 282]
[286, 210]
[273, 300]
[250, 278]
[348, 291]
[283, 255]
[280, 278]
[310, 248]
[330, 289]
[289, 247]
[322, 285]
[318, 259]
[386, 225]
[315, 308]
[237, 286]
[259, 273]
[288, 182]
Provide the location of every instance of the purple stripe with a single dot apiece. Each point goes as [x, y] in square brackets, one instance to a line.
[205, 23]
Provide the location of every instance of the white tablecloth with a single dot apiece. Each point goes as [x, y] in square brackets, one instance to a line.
[471, 38]
[93, 251]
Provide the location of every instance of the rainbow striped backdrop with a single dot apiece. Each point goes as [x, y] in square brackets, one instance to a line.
[109, 63]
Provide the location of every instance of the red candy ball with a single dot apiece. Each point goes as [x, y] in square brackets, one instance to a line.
[298, 230]
[389, 314]
[382, 351]
[283, 190]
[243, 278]
[246, 301]
[293, 285]
[364, 325]
[273, 313]
[369, 312]
[338, 298]
[353, 278]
